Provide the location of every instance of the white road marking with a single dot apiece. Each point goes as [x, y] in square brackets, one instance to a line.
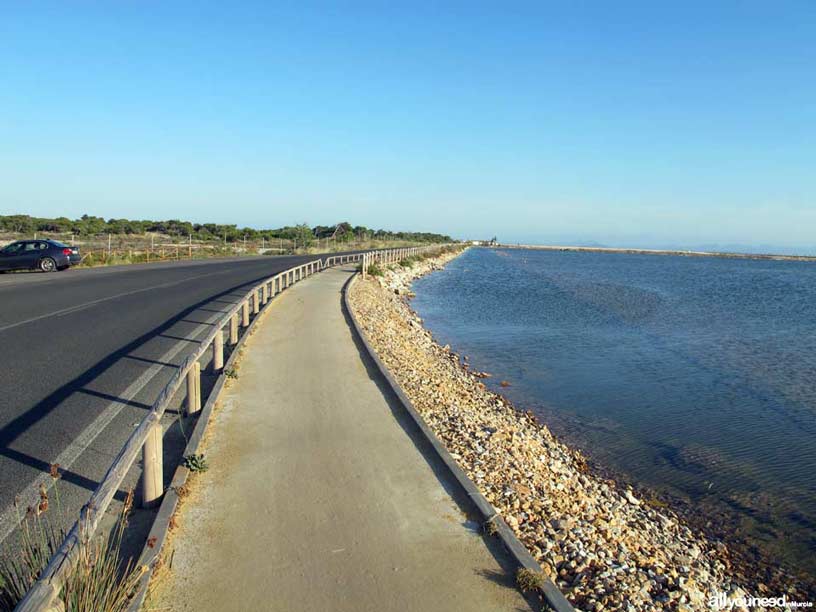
[75, 308]
[9, 519]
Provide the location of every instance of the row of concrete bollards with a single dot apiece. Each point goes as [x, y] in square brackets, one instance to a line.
[147, 437]
[152, 481]
[390, 256]
[152, 477]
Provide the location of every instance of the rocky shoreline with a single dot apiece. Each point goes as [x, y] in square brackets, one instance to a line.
[604, 545]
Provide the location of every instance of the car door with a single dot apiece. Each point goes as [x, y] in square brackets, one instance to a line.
[29, 255]
[11, 256]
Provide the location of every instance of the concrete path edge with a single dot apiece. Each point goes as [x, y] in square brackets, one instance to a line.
[553, 597]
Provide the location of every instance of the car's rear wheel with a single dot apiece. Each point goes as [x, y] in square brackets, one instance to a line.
[47, 264]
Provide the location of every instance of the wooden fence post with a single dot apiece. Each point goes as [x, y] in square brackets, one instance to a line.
[194, 388]
[218, 351]
[234, 330]
[245, 313]
[256, 303]
[152, 475]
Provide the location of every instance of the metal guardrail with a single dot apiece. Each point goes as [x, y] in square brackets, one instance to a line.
[147, 437]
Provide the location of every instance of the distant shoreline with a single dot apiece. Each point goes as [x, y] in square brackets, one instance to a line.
[725, 255]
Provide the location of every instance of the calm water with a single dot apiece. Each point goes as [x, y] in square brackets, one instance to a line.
[696, 376]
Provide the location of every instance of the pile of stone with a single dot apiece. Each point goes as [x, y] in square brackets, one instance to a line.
[603, 545]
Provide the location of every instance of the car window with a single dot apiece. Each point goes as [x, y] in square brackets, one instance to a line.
[13, 247]
[30, 246]
[42, 246]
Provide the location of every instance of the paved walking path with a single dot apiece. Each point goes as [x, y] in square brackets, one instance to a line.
[317, 497]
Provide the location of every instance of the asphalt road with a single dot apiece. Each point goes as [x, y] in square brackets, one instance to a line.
[84, 353]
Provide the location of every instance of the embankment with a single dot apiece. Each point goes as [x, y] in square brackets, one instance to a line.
[604, 546]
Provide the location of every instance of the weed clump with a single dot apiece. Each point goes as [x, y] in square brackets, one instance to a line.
[99, 579]
[196, 463]
[490, 527]
[529, 580]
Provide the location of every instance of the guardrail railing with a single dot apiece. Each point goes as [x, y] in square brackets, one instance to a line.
[43, 596]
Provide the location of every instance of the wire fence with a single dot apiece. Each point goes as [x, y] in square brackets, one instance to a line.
[110, 249]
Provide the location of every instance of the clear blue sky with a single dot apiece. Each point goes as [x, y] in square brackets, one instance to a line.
[644, 123]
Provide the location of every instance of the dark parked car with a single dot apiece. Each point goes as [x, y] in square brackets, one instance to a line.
[45, 255]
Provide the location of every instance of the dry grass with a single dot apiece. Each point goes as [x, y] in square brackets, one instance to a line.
[99, 580]
[38, 540]
[529, 580]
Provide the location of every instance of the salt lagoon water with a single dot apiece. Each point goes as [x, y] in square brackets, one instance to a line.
[693, 376]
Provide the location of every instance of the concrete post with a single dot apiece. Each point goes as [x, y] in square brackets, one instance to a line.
[197, 367]
[233, 340]
[265, 291]
[152, 474]
[256, 302]
[218, 351]
[194, 388]
[245, 313]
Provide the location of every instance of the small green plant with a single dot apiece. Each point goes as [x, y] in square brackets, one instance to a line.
[529, 580]
[231, 373]
[374, 270]
[406, 263]
[196, 463]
